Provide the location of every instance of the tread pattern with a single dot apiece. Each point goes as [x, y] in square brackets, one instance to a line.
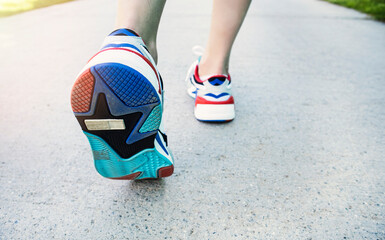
[129, 85]
[110, 165]
[153, 163]
[153, 121]
[81, 93]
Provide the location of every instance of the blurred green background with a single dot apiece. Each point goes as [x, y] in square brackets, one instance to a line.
[10, 7]
[375, 8]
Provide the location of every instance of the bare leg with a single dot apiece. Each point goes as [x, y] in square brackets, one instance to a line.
[142, 16]
[226, 20]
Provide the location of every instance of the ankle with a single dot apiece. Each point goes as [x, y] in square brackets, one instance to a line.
[209, 68]
[149, 41]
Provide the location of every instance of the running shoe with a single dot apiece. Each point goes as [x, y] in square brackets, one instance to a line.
[117, 99]
[213, 99]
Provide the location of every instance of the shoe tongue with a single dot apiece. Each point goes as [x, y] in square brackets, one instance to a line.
[124, 32]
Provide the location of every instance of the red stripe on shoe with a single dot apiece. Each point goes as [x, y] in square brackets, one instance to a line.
[198, 79]
[196, 75]
[140, 55]
[201, 100]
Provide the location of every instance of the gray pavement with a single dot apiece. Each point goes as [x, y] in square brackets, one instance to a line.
[304, 158]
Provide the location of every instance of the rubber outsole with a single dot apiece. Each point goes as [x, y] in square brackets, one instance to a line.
[214, 112]
[143, 165]
[162, 172]
[127, 153]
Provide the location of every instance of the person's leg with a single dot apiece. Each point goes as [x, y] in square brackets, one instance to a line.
[143, 17]
[226, 20]
[208, 81]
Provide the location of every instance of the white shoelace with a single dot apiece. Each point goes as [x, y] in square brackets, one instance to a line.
[198, 51]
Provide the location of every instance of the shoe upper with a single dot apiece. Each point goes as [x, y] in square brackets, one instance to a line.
[125, 39]
[216, 88]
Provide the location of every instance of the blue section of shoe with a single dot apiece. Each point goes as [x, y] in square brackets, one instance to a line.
[161, 144]
[128, 84]
[124, 32]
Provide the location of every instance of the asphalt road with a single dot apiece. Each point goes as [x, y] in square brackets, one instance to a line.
[304, 158]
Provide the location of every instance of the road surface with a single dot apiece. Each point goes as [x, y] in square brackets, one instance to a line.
[304, 158]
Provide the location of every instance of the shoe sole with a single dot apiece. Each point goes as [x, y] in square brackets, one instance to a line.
[120, 112]
[214, 112]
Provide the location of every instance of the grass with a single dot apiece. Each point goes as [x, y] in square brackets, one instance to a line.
[374, 8]
[10, 7]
